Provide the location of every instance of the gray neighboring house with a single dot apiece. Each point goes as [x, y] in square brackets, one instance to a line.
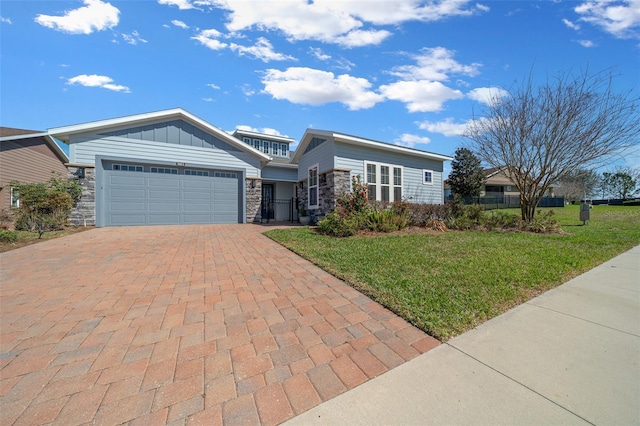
[171, 167]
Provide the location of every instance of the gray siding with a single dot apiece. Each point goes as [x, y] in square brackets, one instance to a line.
[83, 150]
[280, 173]
[323, 155]
[352, 157]
[175, 132]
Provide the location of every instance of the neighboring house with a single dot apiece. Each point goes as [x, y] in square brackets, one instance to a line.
[27, 156]
[497, 185]
[171, 167]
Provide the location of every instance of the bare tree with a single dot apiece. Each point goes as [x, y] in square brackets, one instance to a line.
[543, 133]
[577, 184]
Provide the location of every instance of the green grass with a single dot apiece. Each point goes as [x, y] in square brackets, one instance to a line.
[447, 283]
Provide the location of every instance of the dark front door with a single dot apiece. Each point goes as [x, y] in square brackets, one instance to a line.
[267, 202]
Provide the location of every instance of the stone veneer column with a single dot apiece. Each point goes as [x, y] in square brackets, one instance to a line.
[331, 184]
[84, 210]
[254, 199]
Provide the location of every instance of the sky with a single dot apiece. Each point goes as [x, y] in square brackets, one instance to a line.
[406, 72]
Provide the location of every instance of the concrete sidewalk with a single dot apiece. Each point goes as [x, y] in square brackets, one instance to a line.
[570, 356]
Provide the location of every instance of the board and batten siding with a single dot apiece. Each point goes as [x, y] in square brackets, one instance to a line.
[323, 155]
[28, 161]
[353, 157]
[84, 149]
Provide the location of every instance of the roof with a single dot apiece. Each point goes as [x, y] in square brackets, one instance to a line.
[65, 132]
[8, 134]
[356, 140]
[10, 131]
[263, 136]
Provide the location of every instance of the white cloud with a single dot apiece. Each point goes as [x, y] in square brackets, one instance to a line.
[262, 50]
[319, 54]
[359, 38]
[263, 130]
[410, 141]
[434, 64]
[315, 87]
[247, 90]
[421, 95]
[207, 99]
[586, 43]
[333, 21]
[446, 127]
[209, 38]
[5, 20]
[487, 95]
[94, 16]
[571, 25]
[181, 4]
[180, 24]
[620, 18]
[94, 80]
[133, 38]
[213, 86]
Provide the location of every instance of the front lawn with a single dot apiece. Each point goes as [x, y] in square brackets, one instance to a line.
[26, 238]
[447, 283]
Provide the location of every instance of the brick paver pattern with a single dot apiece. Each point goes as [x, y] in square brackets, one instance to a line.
[210, 324]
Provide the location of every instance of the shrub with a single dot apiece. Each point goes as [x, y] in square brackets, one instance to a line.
[543, 223]
[6, 219]
[436, 225]
[338, 225]
[502, 220]
[421, 214]
[387, 220]
[8, 236]
[631, 203]
[355, 201]
[45, 206]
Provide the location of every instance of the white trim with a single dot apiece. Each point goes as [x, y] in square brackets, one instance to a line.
[317, 186]
[391, 185]
[424, 181]
[63, 133]
[354, 140]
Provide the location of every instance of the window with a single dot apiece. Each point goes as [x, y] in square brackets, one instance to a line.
[384, 182]
[247, 141]
[15, 198]
[127, 167]
[371, 181]
[284, 149]
[427, 177]
[313, 186]
[224, 175]
[397, 183]
[508, 188]
[275, 148]
[196, 173]
[256, 144]
[164, 170]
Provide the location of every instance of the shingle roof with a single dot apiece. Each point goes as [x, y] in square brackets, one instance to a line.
[10, 131]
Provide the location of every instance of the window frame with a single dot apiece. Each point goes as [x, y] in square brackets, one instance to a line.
[310, 186]
[266, 147]
[284, 150]
[127, 167]
[424, 177]
[257, 144]
[275, 149]
[378, 183]
[14, 198]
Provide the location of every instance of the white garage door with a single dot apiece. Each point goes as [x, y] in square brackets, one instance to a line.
[137, 194]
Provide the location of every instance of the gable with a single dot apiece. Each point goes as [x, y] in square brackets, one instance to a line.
[177, 132]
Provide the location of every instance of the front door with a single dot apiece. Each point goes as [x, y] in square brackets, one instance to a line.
[267, 202]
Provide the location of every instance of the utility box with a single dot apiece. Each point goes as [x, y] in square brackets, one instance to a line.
[585, 212]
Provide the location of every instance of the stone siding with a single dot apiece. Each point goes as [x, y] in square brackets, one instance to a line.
[330, 185]
[84, 210]
[254, 199]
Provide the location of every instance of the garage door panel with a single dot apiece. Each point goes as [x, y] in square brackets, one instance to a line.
[127, 179]
[163, 207]
[119, 206]
[164, 181]
[126, 193]
[169, 195]
[145, 198]
[129, 219]
[197, 195]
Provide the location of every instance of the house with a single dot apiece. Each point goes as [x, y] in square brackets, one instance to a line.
[171, 167]
[27, 156]
[498, 185]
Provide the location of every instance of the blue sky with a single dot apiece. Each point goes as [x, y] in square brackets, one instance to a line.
[404, 71]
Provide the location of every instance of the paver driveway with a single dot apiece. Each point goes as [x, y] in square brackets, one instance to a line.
[183, 325]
